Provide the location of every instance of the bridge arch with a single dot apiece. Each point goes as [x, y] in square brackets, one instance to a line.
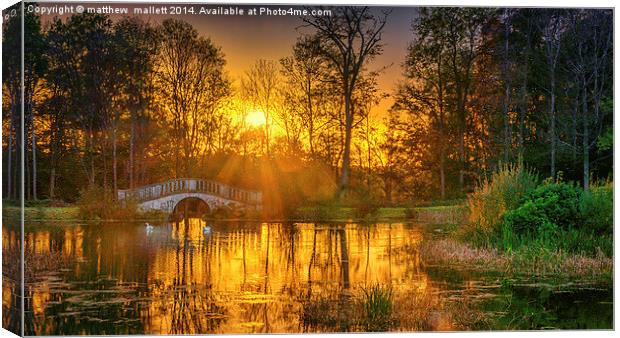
[192, 206]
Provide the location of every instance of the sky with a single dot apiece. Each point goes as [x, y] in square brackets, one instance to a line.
[245, 39]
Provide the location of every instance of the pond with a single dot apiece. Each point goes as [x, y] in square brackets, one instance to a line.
[196, 276]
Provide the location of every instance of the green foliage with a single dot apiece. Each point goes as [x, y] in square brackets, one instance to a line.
[597, 208]
[605, 141]
[510, 212]
[549, 204]
[99, 203]
[494, 196]
[378, 305]
[559, 216]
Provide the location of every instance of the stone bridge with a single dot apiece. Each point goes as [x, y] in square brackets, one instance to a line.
[167, 195]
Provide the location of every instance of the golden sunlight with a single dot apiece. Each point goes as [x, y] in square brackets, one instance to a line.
[255, 118]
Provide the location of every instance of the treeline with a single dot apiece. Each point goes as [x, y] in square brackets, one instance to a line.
[118, 104]
[485, 86]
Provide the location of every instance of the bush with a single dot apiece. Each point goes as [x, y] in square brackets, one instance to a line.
[597, 208]
[550, 203]
[496, 195]
[99, 203]
[366, 206]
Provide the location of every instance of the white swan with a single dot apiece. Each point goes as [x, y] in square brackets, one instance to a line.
[149, 228]
[206, 230]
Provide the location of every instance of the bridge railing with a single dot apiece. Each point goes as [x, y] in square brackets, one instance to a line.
[184, 185]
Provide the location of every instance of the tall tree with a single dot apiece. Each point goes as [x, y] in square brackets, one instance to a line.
[552, 26]
[260, 86]
[424, 92]
[350, 39]
[192, 84]
[306, 72]
[137, 47]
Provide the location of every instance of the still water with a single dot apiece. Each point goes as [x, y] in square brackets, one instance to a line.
[195, 276]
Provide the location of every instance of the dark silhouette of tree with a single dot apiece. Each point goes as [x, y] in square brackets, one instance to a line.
[349, 39]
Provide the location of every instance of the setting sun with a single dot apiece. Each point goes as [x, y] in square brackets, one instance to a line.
[255, 119]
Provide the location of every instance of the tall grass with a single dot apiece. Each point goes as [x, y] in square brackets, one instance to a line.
[494, 196]
[378, 303]
[597, 208]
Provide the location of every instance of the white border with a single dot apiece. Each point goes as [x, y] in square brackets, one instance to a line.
[489, 3]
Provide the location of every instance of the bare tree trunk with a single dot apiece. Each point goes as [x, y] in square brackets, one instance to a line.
[34, 154]
[442, 173]
[92, 159]
[131, 150]
[52, 181]
[506, 118]
[9, 169]
[27, 170]
[506, 103]
[346, 157]
[552, 129]
[114, 160]
[586, 141]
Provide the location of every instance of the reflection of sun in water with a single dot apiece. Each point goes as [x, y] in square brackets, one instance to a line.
[255, 119]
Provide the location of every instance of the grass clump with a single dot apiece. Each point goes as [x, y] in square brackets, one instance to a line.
[495, 196]
[378, 304]
[597, 208]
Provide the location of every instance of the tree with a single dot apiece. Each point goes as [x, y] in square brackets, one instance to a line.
[424, 91]
[260, 87]
[85, 69]
[192, 84]
[349, 39]
[305, 73]
[137, 47]
[552, 27]
[11, 104]
[464, 28]
[591, 44]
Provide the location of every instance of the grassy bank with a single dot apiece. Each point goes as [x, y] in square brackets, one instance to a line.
[453, 214]
[68, 213]
[534, 263]
[43, 213]
[516, 223]
[432, 214]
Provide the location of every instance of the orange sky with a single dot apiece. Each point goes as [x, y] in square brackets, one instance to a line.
[244, 39]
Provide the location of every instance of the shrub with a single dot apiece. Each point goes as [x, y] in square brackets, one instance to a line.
[99, 203]
[366, 207]
[597, 208]
[496, 195]
[550, 203]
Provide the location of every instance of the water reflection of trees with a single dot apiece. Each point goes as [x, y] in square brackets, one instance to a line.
[193, 307]
[242, 277]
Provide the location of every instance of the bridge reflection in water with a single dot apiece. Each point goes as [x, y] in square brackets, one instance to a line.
[241, 277]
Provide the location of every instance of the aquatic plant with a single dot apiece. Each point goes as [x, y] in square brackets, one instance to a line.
[378, 304]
